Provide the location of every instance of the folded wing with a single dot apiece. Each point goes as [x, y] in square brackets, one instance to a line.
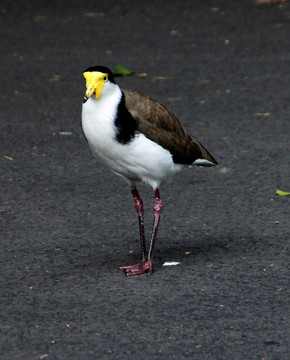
[160, 125]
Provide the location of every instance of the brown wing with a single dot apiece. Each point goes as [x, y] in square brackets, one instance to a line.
[159, 124]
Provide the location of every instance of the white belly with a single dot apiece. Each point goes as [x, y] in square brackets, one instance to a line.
[139, 160]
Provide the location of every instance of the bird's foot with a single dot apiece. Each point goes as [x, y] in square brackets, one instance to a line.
[139, 268]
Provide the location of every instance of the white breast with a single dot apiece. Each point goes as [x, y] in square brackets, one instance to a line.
[139, 160]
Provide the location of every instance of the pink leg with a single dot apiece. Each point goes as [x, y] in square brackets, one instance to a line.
[140, 211]
[147, 262]
[157, 211]
[141, 266]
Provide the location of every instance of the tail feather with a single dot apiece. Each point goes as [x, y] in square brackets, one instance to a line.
[205, 158]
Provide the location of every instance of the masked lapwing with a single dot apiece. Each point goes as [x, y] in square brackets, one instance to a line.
[138, 139]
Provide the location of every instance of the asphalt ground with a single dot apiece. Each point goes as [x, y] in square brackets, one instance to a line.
[67, 223]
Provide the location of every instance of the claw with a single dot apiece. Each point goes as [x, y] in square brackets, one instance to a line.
[139, 268]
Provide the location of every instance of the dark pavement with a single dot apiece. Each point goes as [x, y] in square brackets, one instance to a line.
[67, 223]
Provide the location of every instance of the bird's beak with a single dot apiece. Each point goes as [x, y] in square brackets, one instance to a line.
[94, 84]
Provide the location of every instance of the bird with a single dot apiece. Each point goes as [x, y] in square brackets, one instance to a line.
[140, 140]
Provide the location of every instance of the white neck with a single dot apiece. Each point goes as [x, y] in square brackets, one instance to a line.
[98, 115]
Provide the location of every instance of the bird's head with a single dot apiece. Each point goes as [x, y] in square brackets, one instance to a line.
[96, 77]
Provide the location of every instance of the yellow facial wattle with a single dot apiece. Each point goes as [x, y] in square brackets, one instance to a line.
[94, 83]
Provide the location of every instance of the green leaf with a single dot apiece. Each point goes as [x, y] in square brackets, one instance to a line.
[122, 70]
[282, 193]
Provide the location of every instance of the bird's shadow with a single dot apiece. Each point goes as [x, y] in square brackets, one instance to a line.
[187, 251]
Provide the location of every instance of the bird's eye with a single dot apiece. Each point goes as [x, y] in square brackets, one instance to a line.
[105, 78]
